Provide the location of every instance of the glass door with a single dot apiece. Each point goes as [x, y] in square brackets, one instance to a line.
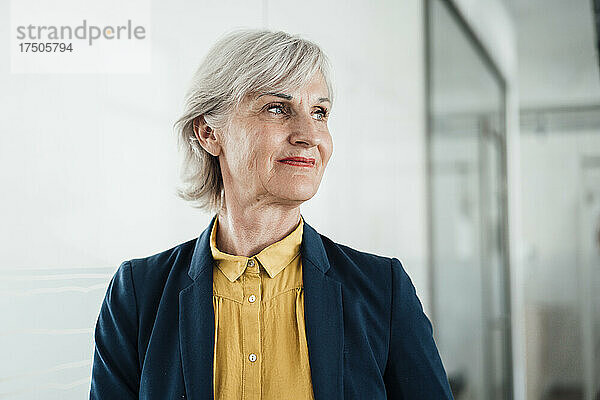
[468, 222]
[589, 273]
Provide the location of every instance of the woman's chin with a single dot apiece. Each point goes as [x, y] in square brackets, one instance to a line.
[299, 192]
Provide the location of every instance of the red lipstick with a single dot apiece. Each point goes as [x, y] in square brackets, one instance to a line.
[299, 161]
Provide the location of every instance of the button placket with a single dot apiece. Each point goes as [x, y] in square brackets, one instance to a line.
[251, 331]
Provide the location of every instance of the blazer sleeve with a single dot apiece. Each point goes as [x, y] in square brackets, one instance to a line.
[115, 371]
[414, 369]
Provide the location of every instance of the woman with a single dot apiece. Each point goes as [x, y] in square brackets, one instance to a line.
[261, 306]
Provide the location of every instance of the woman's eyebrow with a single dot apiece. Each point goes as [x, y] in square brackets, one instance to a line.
[283, 96]
[288, 97]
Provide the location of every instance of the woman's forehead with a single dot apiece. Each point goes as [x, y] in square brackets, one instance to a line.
[315, 96]
[315, 93]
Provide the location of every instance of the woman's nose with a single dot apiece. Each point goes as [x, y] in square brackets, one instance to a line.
[304, 131]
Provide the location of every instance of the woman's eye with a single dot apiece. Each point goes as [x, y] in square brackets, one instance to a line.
[320, 115]
[276, 109]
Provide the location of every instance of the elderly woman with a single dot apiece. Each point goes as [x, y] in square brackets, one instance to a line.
[260, 305]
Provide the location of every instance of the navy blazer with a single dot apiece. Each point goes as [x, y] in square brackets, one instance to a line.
[367, 335]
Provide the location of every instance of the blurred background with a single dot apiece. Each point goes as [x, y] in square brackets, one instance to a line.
[467, 144]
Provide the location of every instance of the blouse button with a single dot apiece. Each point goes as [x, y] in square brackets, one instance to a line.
[251, 263]
[252, 298]
[252, 357]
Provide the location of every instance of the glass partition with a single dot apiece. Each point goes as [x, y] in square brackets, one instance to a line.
[468, 224]
[560, 203]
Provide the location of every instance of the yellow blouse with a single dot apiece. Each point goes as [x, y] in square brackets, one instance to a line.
[260, 338]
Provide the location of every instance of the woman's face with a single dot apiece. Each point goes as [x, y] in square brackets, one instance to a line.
[277, 146]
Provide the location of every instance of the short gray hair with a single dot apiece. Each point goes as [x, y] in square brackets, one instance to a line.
[239, 63]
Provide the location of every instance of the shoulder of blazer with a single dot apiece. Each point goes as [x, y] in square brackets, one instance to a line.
[351, 266]
[169, 267]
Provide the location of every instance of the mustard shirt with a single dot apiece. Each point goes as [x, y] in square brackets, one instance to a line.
[260, 339]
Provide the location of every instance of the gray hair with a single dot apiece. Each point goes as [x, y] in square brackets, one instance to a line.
[239, 63]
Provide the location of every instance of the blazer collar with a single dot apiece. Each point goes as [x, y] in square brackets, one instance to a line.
[202, 257]
[323, 315]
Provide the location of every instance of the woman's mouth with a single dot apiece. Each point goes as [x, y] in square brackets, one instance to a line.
[298, 161]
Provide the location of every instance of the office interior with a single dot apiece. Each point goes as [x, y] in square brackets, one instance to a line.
[466, 143]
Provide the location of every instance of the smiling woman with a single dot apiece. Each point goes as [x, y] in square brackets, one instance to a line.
[247, 80]
[274, 146]
[260, 305]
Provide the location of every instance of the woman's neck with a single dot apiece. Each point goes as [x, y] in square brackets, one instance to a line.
[247, 231]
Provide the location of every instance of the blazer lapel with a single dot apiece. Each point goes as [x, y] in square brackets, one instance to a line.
[323, 314]
[196, 322]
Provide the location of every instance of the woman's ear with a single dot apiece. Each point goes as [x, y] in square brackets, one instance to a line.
[206, 136]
